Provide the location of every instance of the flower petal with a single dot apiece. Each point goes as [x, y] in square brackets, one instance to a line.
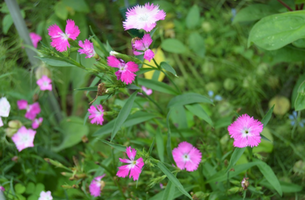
[71, 30]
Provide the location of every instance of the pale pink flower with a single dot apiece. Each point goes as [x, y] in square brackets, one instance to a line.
[2, 188]
[1, 122]
[60, 39]
[88, 48]
[96, 114]
[134, 166]
[187, 156]
[126, 72]
[45, 195]
[45, 83]
[142, 47]
[24, 138]
[143, 17]
[246, 131]
[36, 122]
[31, 110]
[147, 91]
[96, 186]
[5, 107]
[35, 39]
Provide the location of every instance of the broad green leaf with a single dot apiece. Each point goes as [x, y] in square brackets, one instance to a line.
[169, 68]
[223, 122]
[270, 176]
[30, 188]
[157, 86]
[235, 157]
[57, 62]
[196, 43]
[197, 110]
[294, 95]
[123, 114]
[300, 43]
[267, 117]
[116, 146]
[19, 188]
[77, 5]
[173, 179]
[299, 103]
[275, 31]
[173, 46]
[134, 119]
[192, 18]
[93, 88]
[188, 98]
[178, 117]
[160, 144]
[73, 130]
[169, 191]
[7, 21]
[253, 12]
[61, 10]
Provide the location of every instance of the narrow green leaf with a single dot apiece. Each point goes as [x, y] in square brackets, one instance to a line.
[299, 103]
[192, 18]
[158, 86]
[188, 98]
[196, 43]
[93, 88]
[151, 147]
[57, 62]
[134, 119]
[116, 146]
[144, 70]
[160, 144]
[270, 176]
[197, 110]
[173, 179]
[235, 157]
[177, 194]
[169, 191]
[294, 95]
[275, 31]
[267, 117]
[169, 68]
[123, 114]
[133, 87]
[169, 139]
[173, 46]
[286, 187]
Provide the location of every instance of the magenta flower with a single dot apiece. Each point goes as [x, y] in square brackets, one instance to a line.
[147, 91]
[31, 110]
[126, 72]
[60, 39]
[96, 186]
[96, 114]
[45, 195]
[45, 83]
[88, 48]
[142, 46]
[187, 156]
[24, 138]
[36, 122]
[246, 131]
[134, 166]
[2, 188]
[35, 39]
[143, 17]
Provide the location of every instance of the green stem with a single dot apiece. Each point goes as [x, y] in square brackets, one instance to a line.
[161, 110]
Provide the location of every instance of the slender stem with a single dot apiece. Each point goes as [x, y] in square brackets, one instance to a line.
[120, 187]
[161, 110]
[302, 6]
[284, 4]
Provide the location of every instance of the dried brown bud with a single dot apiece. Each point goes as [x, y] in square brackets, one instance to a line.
[245, 183]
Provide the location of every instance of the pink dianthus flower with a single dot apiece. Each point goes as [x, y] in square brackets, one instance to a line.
[126, 72]
[142, 46]
[24, 138]
[134, 166]
[96, 186]
[5, 108]
[60, 39]
[88, 48]
[246, 131]
[45, 195]
[143, 17]
[146, 90]
[187, 156]
[36, 122]
[31, 110]
[96, 114]
[2, 188]
[45, 83]
[35, 39]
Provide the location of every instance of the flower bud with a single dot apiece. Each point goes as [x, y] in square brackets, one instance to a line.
[15, 124]
[42, 70]
[245, 183]
[229, 84]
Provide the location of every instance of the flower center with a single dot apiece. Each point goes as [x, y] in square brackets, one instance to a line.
[246, 132]
[122, 68]
[24, 139]
[65, 36]
[186, 157]
[143, 17]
